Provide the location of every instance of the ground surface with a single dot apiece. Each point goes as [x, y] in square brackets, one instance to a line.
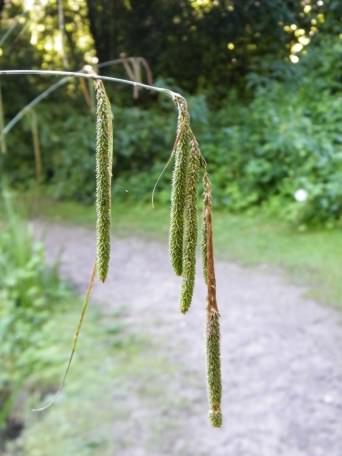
[281, 355]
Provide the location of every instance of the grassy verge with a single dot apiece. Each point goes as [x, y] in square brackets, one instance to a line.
[311, 257]
[112, 377]
[98, 393]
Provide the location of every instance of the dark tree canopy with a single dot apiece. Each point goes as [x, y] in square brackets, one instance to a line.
[197, 46]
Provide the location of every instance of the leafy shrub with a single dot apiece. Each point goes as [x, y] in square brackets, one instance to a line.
[288, 137]
[29, 294]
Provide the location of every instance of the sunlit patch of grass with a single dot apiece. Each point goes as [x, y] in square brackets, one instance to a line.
[311, 258]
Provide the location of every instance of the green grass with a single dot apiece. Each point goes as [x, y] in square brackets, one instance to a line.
[311, 257]
[107, 365]
[113, 374]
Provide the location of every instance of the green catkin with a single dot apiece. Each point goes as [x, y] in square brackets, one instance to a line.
[104, 160]
[204, 247]
[182, 150]
[213, 317]
[190, 230]
[214, 368]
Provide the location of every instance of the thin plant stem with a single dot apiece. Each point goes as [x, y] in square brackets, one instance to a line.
[32, 104]
[11, 29]
[2, 136]
[75, 340]
[78, 74]
[160, 176]
[11, 124]
[36, 147]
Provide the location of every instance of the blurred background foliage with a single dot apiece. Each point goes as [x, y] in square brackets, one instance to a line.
[30, 295]
[263, 80]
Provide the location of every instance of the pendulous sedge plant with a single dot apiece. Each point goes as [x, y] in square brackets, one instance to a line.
[189, 166]
[184, 198]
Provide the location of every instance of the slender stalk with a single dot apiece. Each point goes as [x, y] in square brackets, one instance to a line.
[36, 146]
[2, 136]
[9, 31]
[78, 74]
[148, 70]
[109, 62]
[32, 104]
[74, 342]
[63, 81]
[85, 92]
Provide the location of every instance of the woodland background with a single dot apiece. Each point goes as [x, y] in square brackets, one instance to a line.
[263, 80]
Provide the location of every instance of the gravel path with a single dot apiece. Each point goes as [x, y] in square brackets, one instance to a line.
[281, 354]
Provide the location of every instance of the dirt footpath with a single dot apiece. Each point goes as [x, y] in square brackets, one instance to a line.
[281, 354]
